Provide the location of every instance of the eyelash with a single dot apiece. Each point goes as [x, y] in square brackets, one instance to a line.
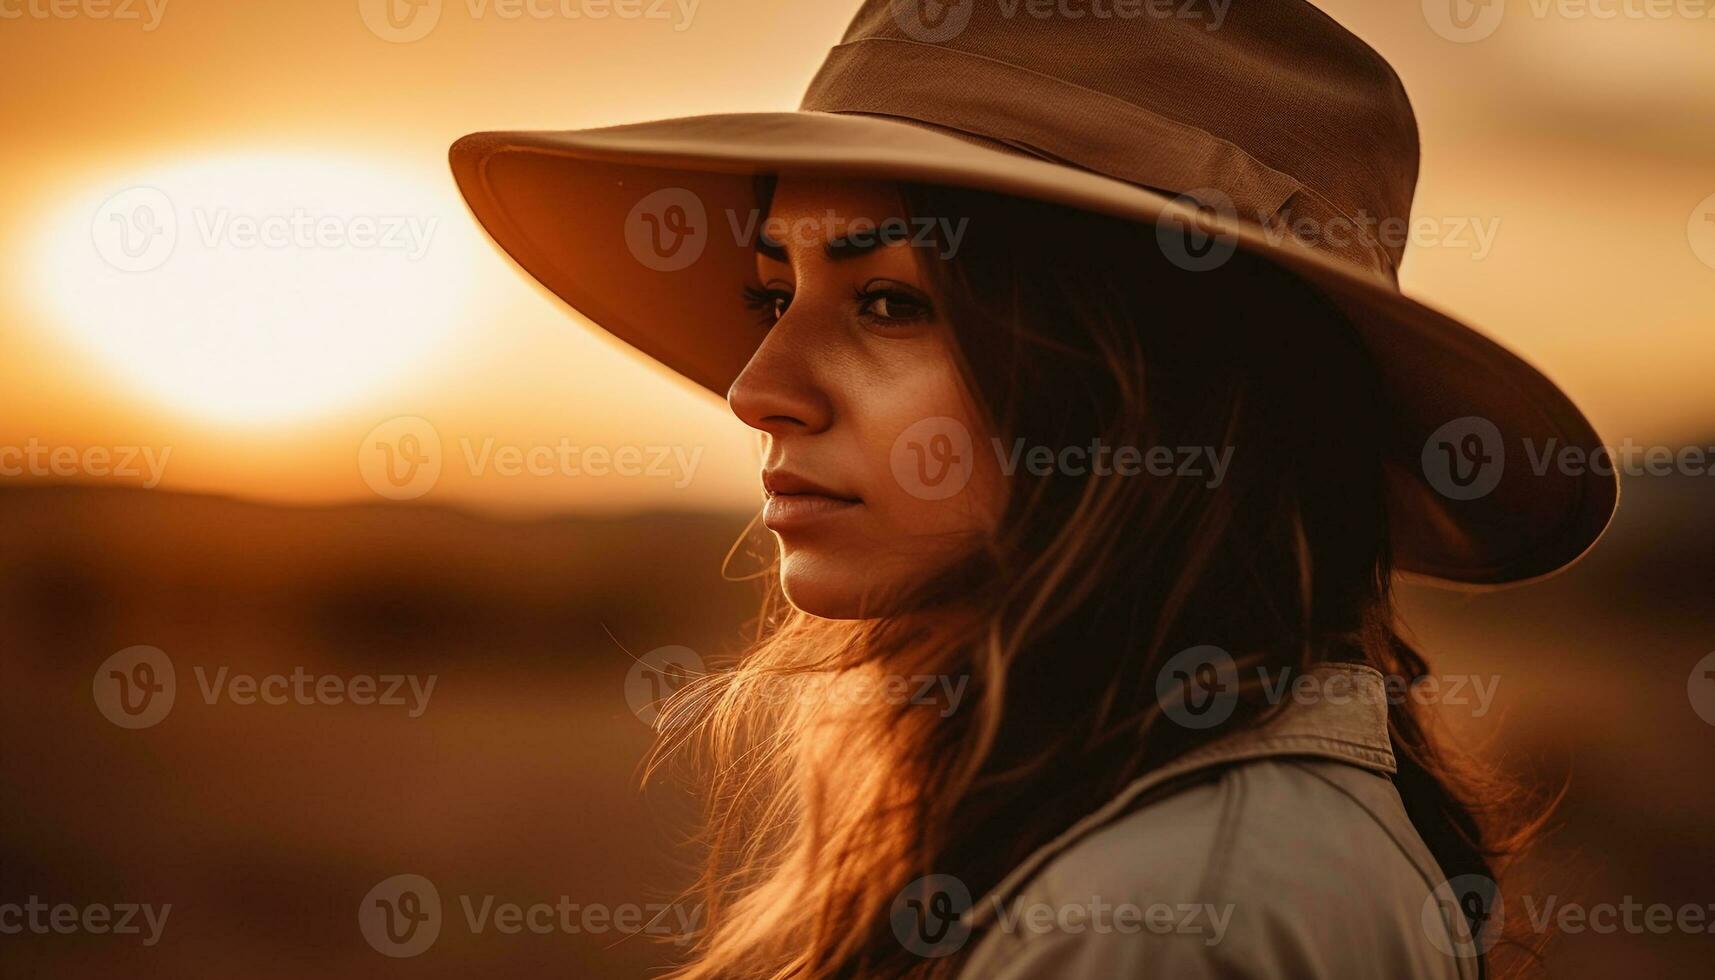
[766, 302]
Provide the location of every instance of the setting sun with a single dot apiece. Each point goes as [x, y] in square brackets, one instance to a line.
[257, 288]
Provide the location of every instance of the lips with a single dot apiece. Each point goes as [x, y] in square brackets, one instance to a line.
[796, 502]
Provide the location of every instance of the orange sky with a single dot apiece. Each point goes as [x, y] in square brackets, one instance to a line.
[1584, 148]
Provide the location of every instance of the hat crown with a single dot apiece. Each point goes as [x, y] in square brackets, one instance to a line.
[1269, 104]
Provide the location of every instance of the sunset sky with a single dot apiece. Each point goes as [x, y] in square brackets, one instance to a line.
[1569, 165]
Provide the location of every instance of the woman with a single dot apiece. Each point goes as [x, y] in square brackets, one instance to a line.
[1080, 659]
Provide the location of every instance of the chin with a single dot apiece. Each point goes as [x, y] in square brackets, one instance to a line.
[833, 586]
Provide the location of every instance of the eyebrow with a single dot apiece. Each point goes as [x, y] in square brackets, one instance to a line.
[837, 249]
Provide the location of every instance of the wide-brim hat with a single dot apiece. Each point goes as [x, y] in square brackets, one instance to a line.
[1274, 132]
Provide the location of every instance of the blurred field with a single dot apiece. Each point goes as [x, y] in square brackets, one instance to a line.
[265, 826]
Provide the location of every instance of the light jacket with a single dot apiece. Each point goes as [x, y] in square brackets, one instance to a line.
[1283, 852]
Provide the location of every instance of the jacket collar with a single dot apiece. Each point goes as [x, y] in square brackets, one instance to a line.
[1341, 716]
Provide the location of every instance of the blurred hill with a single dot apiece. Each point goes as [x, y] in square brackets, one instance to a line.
[265, 826]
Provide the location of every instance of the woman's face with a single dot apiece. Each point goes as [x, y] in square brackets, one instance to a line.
[876, 471]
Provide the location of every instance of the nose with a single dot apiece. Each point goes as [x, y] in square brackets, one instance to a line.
[778, 392]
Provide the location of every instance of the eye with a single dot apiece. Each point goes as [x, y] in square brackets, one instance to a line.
[768, 302]
[892, 303]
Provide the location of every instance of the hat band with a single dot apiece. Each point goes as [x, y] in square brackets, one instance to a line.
[1067, 122]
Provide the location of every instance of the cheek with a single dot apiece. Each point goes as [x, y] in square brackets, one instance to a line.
[932, 466]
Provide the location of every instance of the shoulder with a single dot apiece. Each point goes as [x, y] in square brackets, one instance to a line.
[1276, 867]
[1277, 830]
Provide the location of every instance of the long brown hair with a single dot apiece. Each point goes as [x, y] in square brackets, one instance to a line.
[1074, 329]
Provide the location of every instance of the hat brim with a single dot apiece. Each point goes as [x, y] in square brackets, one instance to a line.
[562, 205]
